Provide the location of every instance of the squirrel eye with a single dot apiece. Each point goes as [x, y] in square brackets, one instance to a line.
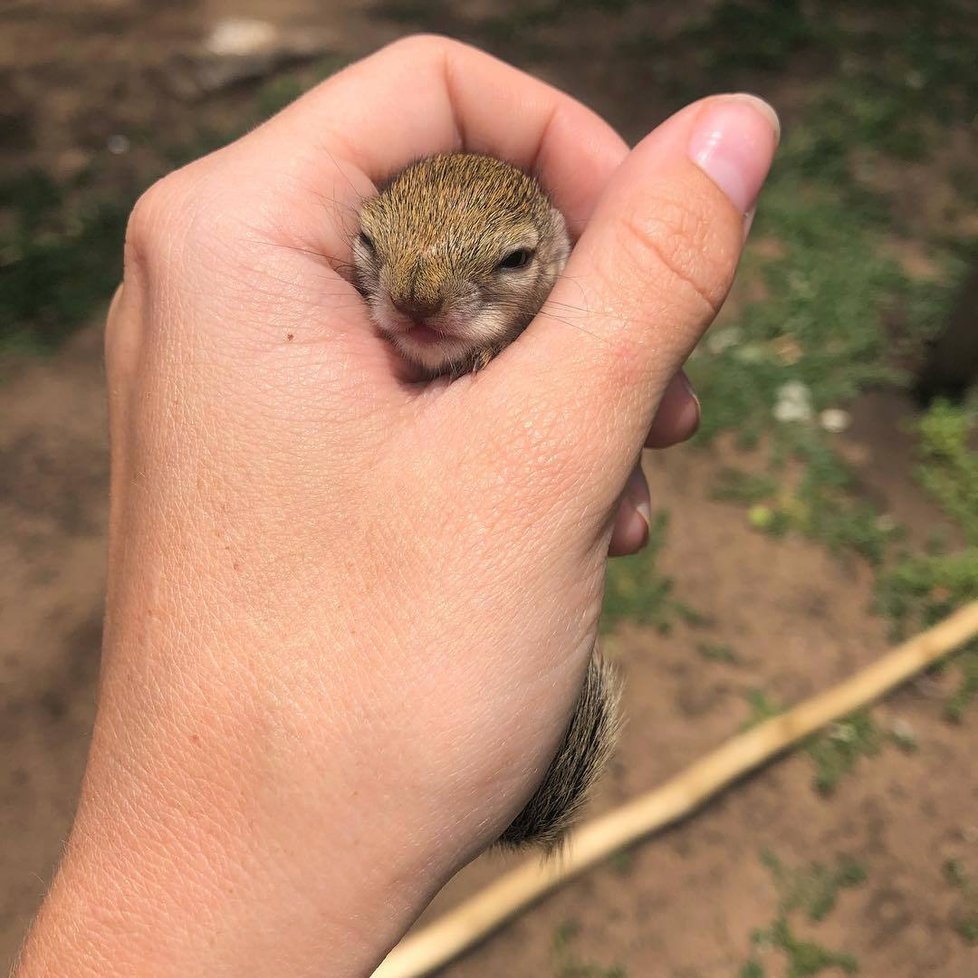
[516, 259]
[367, 242]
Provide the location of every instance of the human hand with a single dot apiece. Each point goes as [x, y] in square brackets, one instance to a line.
[347, 617]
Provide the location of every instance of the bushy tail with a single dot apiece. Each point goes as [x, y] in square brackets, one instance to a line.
[579, 761]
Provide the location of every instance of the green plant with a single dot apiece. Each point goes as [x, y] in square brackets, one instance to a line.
[836, 751]
[61, 243]
[737, 35]
[921, 588]
[762, 707]
[60, 257]
[566, 962]
[814, 890]
[804, 958]
[717, 652]
[622, 862]
[637, 591]
[965, 917]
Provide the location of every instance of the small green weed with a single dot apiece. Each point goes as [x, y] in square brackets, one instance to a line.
[566, 962]
[949, 463]
[717, 652]
[954, 873]
[622, 862]
[967, 689]
[58, 260]
[813, 890]
[804, 959]
[965, 918]
[762, 707]
[735, 485]
[904, 737]
[921, 588]
[836, 751]
[738, 35]
[637, 591]
[811, 344]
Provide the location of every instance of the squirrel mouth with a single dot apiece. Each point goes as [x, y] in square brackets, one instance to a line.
[424, 335]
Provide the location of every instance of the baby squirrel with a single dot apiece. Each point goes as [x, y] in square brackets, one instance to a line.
[455, 256]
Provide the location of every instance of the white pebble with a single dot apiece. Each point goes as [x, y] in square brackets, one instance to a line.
[722, 340]
[835, 420]
[237, 36]
[903, 731]
[794, 403]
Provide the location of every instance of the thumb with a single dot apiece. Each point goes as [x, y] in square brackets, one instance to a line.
[645, 279]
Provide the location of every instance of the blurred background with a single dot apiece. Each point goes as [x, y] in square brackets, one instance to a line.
[828, 506]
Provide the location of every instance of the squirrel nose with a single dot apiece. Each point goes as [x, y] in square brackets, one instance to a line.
[417, 306]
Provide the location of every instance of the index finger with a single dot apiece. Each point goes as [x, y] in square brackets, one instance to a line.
[426, 95]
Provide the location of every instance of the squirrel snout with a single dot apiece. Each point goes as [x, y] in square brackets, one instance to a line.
[417, 307]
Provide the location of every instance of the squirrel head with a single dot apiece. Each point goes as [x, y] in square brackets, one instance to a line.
[455, 256]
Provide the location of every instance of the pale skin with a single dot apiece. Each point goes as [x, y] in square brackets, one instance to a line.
[348, 616]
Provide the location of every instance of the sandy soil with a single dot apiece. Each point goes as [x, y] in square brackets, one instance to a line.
[684, 904]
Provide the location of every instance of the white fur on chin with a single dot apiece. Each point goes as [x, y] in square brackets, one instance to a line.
[465, 326]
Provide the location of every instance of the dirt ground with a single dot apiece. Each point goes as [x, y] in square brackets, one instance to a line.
[683, 905]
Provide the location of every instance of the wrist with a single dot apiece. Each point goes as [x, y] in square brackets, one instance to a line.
[151, 902]
[194, 853]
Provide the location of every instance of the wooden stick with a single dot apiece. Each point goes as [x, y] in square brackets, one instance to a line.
[470, 922]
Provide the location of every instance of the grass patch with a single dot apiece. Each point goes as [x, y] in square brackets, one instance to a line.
[761, 707]
[738, 35]
[61, 243]
[965, 917]
[824, 313]
[637, 591]
[921, 588]
[812, 891]
[717, 652]
[837, 751]
[831, 307]
[812, 343]
[59, 259]
[622, 862]
[803, 959]
[566, 962]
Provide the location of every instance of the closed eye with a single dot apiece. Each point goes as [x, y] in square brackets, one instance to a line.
[519, 258]
[367, 242]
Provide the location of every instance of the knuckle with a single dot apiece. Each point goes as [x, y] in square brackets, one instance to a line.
[422, 47]
[166, 217]
[149, 221]
[687, 241]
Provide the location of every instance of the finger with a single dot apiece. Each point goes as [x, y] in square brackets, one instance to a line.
[678, 415]
[631, 530]
[425, 95]
[645, 280]
[287, 195]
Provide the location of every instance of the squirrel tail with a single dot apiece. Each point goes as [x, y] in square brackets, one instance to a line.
[580, 759]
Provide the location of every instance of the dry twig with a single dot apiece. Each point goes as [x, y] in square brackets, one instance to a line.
[447, 938]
